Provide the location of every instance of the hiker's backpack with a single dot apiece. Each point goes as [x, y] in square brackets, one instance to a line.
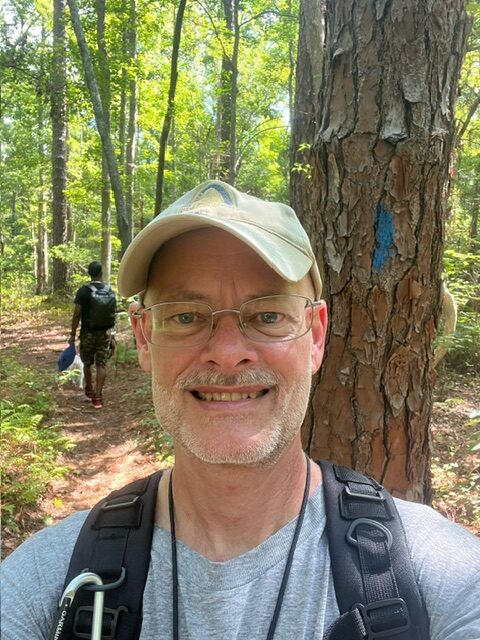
[101, 308]
[375, 586]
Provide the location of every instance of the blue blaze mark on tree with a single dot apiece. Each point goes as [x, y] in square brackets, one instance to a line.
[384, 231]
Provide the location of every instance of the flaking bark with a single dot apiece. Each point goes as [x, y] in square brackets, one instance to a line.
[379, 182]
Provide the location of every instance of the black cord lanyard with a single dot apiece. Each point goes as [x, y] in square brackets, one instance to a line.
[286, 572]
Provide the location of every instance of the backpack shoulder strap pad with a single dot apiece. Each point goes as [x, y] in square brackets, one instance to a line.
[375, 585]
[115, 543]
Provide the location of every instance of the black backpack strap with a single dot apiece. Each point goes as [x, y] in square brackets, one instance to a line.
[115, 543]
[375, 585]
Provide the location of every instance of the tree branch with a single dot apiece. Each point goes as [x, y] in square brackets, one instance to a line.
[471, 112]
[256, 133]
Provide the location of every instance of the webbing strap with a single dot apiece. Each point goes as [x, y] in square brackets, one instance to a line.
[374, 581]
[115, 540]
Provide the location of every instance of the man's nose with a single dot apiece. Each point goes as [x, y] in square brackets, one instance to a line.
[228, 347]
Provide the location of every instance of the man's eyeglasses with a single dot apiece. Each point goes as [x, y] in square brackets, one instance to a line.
[190, 324]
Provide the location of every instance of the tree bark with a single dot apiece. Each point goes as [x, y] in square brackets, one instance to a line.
[122, 122]
[131, 146]
[41, 267]
[42, 240]
[305, 112]
[379, 180]
[124, 230]
[170, 107]
[59, 144]
[104, 87]
[225, 162]
[106, 245]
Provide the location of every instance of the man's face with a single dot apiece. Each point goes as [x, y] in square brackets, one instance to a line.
[231, 400]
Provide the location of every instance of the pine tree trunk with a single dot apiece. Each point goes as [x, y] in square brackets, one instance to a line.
[379, 181]
[42, 240]
[305, 112]
[41, 270]
[59, 143]
[104, 88]
[106, 245]
[167, 123]
[131, 147]
[225, 162]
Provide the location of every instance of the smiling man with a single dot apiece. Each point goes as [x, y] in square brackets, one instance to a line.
[231, 327]
[228, 395]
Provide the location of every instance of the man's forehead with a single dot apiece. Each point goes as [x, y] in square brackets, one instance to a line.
[204, 241]
[186, 252]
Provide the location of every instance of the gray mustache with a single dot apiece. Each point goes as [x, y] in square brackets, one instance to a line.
[216, 378]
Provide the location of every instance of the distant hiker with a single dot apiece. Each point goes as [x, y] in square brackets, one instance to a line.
[95, 306]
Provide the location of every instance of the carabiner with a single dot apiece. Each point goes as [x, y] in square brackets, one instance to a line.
[67, 599]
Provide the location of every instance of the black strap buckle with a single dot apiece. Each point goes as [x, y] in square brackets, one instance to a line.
[374, 495]
[393, 622]
[364, 501]
[82, 624]
[124, 511]
[109, 505]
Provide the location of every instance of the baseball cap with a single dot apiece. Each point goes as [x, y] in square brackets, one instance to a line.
[271, 229]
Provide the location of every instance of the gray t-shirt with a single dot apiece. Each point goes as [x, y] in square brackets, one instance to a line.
[234, 600]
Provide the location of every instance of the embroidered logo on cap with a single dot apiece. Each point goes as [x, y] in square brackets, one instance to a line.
[213, 194]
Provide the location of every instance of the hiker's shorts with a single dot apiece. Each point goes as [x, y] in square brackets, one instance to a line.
[94, 348]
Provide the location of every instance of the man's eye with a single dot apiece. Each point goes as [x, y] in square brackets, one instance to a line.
[269, 317]
[185, 318]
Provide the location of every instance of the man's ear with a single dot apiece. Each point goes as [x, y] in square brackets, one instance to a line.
[143, 348]
[319, 332]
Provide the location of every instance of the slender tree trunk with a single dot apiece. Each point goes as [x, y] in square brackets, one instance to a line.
[232, 151]
[42, 239]
[473, 231]
[122, 123]
[474, 227]
[34, 243]
[225, 161]
[104, 88]
[106, 245]
[41, 269]
[305, 112]
[132, 115]
[59, 143]
[170, 107]
[379, 181]
[124, 230]
[291, 83]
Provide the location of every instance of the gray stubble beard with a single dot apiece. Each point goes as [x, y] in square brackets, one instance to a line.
[267, 452]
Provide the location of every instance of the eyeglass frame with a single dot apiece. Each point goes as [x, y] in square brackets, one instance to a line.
[138, 313]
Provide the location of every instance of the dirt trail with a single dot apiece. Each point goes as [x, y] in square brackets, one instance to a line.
[109, 447]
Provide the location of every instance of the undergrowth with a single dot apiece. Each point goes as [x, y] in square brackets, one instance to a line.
[31, 442]
[456, 442]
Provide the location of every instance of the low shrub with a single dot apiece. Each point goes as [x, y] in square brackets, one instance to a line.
[30, 450]
[30, 442]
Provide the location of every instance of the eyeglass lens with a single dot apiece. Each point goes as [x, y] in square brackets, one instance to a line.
[266, 319]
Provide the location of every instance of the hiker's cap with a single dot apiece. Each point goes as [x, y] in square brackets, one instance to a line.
[271, 229]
